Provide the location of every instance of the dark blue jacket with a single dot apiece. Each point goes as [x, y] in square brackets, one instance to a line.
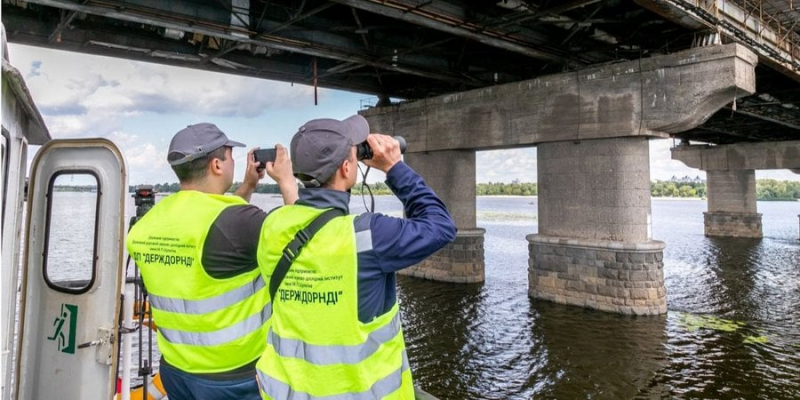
[388, 244]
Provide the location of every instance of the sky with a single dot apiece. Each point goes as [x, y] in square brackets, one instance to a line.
[140, 106]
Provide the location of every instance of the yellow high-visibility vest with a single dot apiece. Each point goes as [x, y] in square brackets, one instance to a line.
[316, 346]
[205, 324]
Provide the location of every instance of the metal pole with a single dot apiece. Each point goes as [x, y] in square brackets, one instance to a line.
[127, 323]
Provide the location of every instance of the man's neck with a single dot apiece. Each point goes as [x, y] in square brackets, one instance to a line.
[204, 187]
[338, 184]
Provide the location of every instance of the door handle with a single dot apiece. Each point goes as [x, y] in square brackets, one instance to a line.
[105, 345]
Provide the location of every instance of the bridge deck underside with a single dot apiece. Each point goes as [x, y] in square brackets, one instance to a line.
[413, 49]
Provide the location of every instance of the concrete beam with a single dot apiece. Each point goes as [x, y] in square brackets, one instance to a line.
[648, 97]
[742, 156]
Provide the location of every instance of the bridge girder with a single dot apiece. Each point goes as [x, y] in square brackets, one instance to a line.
[412, 49]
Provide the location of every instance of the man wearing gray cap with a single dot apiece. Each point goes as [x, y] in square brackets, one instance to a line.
[335, 329]
[196, 250]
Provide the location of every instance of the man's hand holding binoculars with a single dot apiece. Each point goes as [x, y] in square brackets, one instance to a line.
[385, 152]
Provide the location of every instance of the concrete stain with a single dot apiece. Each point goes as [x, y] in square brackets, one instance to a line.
[561, 112]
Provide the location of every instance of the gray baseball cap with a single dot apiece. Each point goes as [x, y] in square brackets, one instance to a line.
[320, 145]
[196, 141]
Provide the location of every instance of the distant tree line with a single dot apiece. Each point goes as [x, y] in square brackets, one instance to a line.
[771, 189]
[377, 188]
[260, 188]
[174, 187]
[766, 189]
[161, 187]
[508, 189]
[677, 189]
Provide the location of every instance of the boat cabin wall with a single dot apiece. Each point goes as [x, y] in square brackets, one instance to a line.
[13, 168]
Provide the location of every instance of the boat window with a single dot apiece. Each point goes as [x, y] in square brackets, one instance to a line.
[70, 232]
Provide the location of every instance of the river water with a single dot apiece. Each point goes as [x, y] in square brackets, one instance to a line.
[490, 341]
[732, 330]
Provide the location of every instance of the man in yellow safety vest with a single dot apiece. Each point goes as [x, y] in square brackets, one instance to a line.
[197, 253]
[335, 329]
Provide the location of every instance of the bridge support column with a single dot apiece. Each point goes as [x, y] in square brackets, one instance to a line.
[451, 174]
[594, 246]
[731, 181]
[732, 204]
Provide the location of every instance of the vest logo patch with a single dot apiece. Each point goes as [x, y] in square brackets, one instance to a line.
[306, 297]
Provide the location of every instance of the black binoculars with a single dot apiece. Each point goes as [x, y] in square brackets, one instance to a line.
[364, 152]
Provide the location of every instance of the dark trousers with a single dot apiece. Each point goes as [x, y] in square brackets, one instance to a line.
[184, 386]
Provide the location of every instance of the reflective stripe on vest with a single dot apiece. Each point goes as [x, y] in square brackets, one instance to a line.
[213, 338]
[279, 390]
[327, 355]
[209, 305]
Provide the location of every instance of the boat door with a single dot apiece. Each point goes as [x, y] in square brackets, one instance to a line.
[73, 272]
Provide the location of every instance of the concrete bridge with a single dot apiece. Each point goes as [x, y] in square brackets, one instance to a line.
[594, 247]
[588, 82]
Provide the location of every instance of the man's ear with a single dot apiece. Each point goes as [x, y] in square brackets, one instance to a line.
[215, 166]
[340, 172]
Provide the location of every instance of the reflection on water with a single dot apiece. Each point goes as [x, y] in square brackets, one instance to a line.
[608, 356]
[473, 345]
[490, 341]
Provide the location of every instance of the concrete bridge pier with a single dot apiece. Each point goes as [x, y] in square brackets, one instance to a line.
[451, 174]
[594, 246]
[732, 204]
[731, 181]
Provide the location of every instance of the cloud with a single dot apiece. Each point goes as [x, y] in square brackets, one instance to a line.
[506, 165]
[663, 167]
[89, 96]
[78, 84]
[146, 161]
[79, 126]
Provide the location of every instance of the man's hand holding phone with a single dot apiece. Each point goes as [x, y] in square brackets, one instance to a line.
[263, 156]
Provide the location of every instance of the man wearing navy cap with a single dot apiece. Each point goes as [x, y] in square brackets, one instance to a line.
[335, 328]
[196, 250]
